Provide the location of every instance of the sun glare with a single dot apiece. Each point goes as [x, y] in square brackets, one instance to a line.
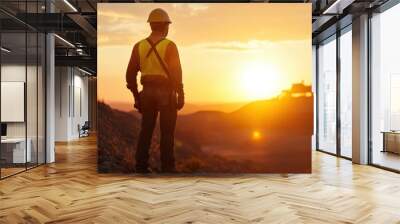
[259, 80]
[256, 135]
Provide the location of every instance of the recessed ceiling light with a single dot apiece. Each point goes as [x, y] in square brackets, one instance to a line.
[84, 71]
[70, 5]
[64, 40]
[5, 50]
[337, 7]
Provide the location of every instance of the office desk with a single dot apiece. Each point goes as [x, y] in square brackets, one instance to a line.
[13, 150]
[391, 141]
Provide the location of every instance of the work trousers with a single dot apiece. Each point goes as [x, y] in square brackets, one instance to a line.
[154, 100]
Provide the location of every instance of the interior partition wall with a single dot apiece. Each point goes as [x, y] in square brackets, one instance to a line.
[385, 89]
[22, 88]
[334, 94]
[72, 105]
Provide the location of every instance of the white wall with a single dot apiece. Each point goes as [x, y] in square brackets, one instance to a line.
[16, 73]
[62, 81]
[314, 89]
[71, 102]
[80, 110]
[33, 127]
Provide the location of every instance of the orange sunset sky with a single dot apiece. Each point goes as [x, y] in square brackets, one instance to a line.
[229, 52]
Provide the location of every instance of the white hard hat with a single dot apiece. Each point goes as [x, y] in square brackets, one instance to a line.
[158, 15]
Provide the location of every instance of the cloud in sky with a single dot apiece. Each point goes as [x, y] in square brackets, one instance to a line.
[193, 9]
[116, 15]
[252, 45]
[125, 24]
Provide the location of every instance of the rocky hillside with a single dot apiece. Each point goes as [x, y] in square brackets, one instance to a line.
[212, 141]
[118, 133]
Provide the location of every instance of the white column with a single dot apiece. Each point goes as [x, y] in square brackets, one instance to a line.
[360, 90]
[50, 99]
[50, 92]
[63, 100]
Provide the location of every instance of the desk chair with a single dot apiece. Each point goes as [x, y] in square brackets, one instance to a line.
[84, 130]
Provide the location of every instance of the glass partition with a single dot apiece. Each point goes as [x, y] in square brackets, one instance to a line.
[14, 153]
[41, 96]
[327, 95]
[31, 98]
[22, 91]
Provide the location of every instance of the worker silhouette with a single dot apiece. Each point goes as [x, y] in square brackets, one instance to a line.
[157, 59]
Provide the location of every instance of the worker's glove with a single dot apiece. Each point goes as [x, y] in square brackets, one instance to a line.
[181, 97]
[137, 104]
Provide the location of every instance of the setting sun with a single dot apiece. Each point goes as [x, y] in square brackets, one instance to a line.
[256, 135]
[259, 80]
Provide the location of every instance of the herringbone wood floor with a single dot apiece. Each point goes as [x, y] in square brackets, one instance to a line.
[71, 191]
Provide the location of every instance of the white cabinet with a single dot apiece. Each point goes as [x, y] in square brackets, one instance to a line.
[17, 146]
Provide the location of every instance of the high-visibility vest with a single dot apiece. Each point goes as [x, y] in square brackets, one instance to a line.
[149, 63]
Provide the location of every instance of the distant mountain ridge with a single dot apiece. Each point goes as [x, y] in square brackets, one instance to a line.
[289, 114]
[188, 108]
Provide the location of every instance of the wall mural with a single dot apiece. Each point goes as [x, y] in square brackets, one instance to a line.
[204, 88]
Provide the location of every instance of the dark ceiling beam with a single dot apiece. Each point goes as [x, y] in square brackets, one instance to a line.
[78, 61]
[49, 22]
[91, 5]
[327, 20]
[210, 1]
[16, 19]
[11, 25]
[198, 1]
[335, 17]
[332, 29]
[287, 1]
[321, 23]
[85, 51]
[84, 24]
[338, 6]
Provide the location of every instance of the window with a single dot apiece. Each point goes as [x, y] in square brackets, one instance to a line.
[346, 93]
[327, 95]
[395, 102]
[385, 89]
